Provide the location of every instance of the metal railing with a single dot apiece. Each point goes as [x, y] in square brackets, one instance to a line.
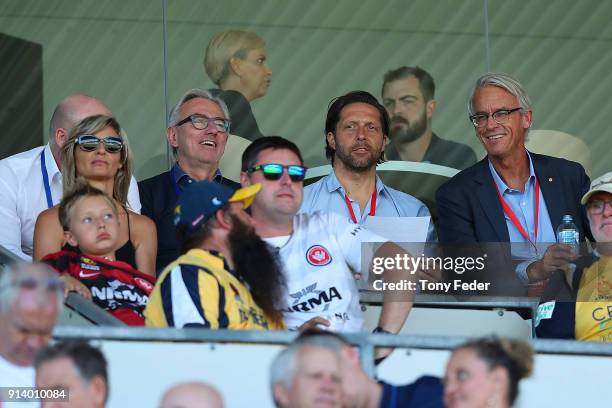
[365, 341]
[501, 304]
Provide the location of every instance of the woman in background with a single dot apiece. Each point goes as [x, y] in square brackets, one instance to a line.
[236, 62]
[485, 373]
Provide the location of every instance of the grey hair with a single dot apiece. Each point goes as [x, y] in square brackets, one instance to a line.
[194, 93]
[283, 366]
[175, 113]
[8, 278]
[503, 81]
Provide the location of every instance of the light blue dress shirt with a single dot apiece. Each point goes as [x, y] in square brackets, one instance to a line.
[523, 205]
[327, 194]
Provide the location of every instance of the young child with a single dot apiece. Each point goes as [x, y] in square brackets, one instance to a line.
[90, 221]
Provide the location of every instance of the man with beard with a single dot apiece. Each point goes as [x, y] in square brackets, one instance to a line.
[408, 97]
[226, 277]
[356, 134]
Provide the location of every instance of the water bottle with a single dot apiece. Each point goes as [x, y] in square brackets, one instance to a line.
[567, 233]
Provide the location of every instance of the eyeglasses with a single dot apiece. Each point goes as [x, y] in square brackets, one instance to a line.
[500, 116]
[89, 143]
[597, 207]
[201, 122]
[275, 171]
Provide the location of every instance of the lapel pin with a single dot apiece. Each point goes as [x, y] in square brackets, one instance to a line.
[550, 179]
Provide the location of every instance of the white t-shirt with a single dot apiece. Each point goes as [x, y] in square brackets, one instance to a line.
[23, 198]
[318, 262]
[12, 376]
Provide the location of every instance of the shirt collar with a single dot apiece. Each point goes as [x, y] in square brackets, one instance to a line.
[332, 183]
[50, 164]
[180, 176]
[503, 187]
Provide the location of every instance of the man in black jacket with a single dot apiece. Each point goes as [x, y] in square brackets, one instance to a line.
[198, 131]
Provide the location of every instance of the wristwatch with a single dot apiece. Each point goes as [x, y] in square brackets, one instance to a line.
[379, 329]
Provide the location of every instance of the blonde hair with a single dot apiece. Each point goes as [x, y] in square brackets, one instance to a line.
[82, 190]
[90, 126]
[226, 45]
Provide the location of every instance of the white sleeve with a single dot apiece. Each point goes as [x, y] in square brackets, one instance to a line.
[134, 197]
[10, 231]
[184, 311]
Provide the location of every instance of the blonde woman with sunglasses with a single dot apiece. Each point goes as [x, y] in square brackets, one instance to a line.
[98, 153]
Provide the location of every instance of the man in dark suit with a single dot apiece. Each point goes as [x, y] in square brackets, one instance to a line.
[198, 131]
[512, 195]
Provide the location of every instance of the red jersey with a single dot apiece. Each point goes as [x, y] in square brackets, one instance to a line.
[115, 285]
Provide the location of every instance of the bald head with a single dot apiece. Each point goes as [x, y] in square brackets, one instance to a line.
[192, 395]
[70, 111]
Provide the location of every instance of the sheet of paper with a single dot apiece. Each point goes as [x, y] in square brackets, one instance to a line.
[400, 229]
[410, 233]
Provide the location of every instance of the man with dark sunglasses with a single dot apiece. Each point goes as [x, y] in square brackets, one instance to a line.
[30, 301]
[321, 251]
[197, 131]
[356, 128]
[31, 181]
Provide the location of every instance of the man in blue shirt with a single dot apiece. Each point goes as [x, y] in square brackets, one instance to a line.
[512, 195]
[356, 128]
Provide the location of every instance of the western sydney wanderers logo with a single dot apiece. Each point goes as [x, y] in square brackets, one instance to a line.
[318, 255]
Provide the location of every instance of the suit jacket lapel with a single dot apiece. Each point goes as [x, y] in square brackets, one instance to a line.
[551, 190]
[487, 197]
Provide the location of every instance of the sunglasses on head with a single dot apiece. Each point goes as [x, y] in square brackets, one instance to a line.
[275, 171]
[89, 143]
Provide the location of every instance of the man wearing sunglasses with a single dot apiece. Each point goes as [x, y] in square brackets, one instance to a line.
[30, 300]
[321, 251]
[197, 131]
[31, 181]
[356, 131]
[512, 195]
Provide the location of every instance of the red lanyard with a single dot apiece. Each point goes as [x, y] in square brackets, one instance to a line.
[372, 205]
[513, 217]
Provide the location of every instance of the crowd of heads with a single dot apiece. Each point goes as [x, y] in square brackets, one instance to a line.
[318, 368]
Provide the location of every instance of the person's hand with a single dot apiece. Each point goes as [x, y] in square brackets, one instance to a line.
[381, 353]
[313, 323]
[555, 258]
[74, 285]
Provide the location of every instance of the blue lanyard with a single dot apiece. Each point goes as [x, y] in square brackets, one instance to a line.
[45, 176]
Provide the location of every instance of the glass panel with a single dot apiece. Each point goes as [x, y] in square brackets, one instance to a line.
[318, 50]
[108, 49]
[561, 51]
